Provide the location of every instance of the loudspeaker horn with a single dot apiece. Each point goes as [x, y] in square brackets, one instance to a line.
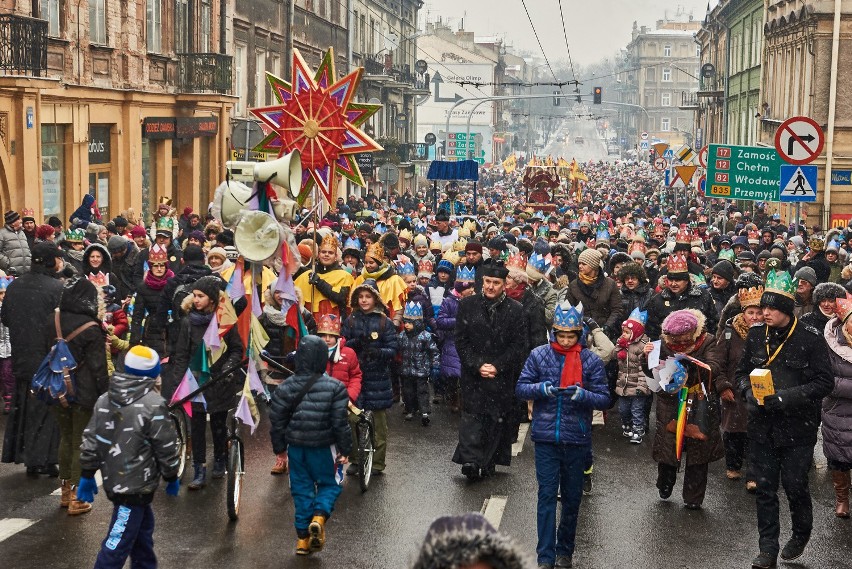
[231, 197]
[257, 236]
[285, 172]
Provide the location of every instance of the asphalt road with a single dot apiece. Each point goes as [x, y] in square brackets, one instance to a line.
[622, 524]
[564, 142]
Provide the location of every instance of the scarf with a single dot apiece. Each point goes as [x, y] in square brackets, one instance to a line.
[275, 315]
[588, 281]
[572, 369]
[687, 348]
[375, 276]
[154, 282]
[200, 318]
[740, 326]
[518, 292]
[491, 307]
[218, 270]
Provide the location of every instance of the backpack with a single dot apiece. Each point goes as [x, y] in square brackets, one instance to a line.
[181, 292]
[54, 381]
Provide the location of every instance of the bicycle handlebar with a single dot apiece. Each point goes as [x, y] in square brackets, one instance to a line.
[224, 373]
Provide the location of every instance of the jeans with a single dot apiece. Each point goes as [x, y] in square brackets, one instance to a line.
[380, 436]
[415, 394]
[131, 534]
[790, 466]
[198, 431]
[72, 420]
[315, 483]
[632, 411]
[558, 467]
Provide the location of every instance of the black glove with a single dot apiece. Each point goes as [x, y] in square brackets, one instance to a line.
[749, 397]
[323, 286]
[314, 279]
[590, 324]
[774, 403]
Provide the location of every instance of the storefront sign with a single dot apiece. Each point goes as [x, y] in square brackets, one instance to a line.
[193, 127]
[841, 177]
[365, 164]
[239, 154]
[158, 127]
[840, 220]
[99, 144]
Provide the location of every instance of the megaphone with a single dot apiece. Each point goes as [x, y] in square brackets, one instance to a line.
[230, 198]
[257, 236]
[285, 172]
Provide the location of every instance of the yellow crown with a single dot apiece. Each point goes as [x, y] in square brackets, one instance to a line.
[750, 296]
[435, 245]
[376, 251]
[330, 242]
[459, 245]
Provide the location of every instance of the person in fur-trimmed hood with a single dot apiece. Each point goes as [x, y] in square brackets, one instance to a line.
[825, 297]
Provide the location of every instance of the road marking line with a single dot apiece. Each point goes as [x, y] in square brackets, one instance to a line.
[98, 478]
[493, 509]
[522, 436]
[11, 526]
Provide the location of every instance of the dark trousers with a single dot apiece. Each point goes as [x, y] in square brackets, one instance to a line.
[198, 428]
[415, 394]
[735, 450]
[131, 534]
[790, 466]
[694, 481]
[558, 469]
[7, 381]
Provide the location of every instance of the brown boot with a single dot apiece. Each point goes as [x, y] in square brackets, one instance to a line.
[841, 491]
[67, 495]
[76, 507]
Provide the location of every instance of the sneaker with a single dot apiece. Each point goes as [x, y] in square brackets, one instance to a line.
[218, 469]
[353, 470]
[425, 419]
[303, 546]
[763, 561]
[587, 484]
[794, 549]
[636, 437]
[563, 561]
[733, 474]
[280, 464]
[317, 531]
[408, 416]
[626, 431]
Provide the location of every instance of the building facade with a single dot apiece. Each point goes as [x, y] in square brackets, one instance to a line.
[128, 101]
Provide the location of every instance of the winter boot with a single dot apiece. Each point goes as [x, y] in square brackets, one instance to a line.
[75, 506]
[199, 478]
[841, 491]
[425, 420]
[7, 404]
[67, 496]
[280, 464]
[317, 531]
[218, 469]
[303, 546]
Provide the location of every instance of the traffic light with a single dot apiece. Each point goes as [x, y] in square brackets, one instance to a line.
[556, 98]
[597, 95]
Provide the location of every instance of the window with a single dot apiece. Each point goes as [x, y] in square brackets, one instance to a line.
[205, 33]
[275, 65]
[154, 26]
[651, 74]
[240, 83]
[49, 10]
[697, 50]
[667, 50]
[260, 78]
[665, 124]
[372, 42]
[649, 99]
[97, 21]
[666, 99]
[747, 58]
[362, 34]
[667, 74]
[335, 14]
[182, 34]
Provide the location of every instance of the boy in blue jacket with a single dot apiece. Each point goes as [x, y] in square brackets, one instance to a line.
[566, 382]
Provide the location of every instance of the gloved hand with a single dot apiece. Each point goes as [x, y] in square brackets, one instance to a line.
[314, 279]
[86, 490]
[173, 487]
[575, 392]
[548, 390]
[774, 403]
[590, 324]
[749, 397]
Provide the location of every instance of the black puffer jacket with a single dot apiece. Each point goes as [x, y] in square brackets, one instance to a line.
[636, 298]
[419, 351]
[666, 302]
[321, 419]
[373, 337]
[145, 309]
[78, 306]
[188, 274]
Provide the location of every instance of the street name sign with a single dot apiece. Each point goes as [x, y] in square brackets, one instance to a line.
[743, 172]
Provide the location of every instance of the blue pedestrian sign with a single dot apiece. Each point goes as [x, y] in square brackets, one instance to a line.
[669, 154]
[798, 183]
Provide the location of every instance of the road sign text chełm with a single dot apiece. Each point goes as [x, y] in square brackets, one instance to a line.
[743, 172]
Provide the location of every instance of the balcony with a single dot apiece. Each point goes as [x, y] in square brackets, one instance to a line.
[711, 87]
[373, 67]
[688, 101]
[204, 73]
[417, 81]
[23, 45]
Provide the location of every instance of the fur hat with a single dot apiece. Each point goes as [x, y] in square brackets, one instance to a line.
[617, 258]
[828, 291]
[633, 270]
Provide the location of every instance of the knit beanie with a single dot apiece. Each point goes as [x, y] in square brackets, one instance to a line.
[44, 232]
[778, 301]
[143, 361]
[210, 286]
[724, 269]
[591, 257]
[193, 254]
[680, 322]
[137, 231]
[11, 217]
[806, 274]
[217, 252]
[116, 243]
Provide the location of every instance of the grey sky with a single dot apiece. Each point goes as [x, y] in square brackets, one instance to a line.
[596, 28]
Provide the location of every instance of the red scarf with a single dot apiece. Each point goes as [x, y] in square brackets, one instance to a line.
[572, 369]
[518, 292]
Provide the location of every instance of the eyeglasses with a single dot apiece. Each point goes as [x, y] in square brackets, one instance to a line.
[157, 265]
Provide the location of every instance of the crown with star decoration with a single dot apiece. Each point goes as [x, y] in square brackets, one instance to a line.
[782, 283]
[413, 311]
[568, 318]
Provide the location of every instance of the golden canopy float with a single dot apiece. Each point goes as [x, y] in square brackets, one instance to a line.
[540, 183]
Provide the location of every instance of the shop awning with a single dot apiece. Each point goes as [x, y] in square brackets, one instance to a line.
[461, 170]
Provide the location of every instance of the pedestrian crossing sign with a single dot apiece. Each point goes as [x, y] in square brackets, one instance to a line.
[798, 183]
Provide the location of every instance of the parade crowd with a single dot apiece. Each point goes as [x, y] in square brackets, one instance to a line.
[560, 316]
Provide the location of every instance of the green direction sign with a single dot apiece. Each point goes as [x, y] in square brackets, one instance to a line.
[743, 173]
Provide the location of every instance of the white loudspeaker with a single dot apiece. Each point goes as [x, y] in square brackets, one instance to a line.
[284, 209]
[257, 236]
[285, 172]
[230, 198]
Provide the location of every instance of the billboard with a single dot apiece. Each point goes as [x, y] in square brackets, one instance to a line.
[446, 92]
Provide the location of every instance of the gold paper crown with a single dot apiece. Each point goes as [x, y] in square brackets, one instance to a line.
[165, 200]
[435, 245]
[459, 245]
[470, 225]
[464, 232]
[330, 241]
[376, 251]
[816, 244]
[406, 235]
[99, 279]
[750, 296]
[516, 262]
[453, 257]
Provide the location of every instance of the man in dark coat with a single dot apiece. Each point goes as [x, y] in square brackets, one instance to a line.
[32, 436]
[491, 339]
[124, 254]
[678, 294]
[783, 429]
[599, 294]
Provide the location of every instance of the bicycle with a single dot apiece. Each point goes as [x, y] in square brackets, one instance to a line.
[365, 439]
[235, 467]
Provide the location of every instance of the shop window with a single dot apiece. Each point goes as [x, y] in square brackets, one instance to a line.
[53, 169]
[99, 166]
[149, 176]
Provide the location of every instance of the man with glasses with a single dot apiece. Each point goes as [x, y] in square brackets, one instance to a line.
[679, 293]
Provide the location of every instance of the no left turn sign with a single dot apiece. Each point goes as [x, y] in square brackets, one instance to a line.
[799, 140]
[661, 163]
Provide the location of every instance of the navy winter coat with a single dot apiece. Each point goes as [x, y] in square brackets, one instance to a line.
[559, 419]
[374, 339]
[419, 352]
[321, 419]
[446, 324]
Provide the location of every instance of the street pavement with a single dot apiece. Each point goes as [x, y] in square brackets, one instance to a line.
[622, 524]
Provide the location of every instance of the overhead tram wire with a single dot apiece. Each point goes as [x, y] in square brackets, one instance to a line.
[541, 47]
[565, 33]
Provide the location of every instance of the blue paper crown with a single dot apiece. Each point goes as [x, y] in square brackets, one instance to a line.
[573, 225]
[538, 262]
[405, 269]
[5, 282]
[640, 316]
[413, 311]
[568, 318]
[602, 235]
[466, 274]
[351, 244]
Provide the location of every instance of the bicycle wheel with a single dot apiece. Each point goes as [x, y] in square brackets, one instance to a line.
[365, 453]
[235, 477]
[179, 419]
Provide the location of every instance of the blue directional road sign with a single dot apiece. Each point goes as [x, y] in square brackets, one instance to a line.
[798, 183]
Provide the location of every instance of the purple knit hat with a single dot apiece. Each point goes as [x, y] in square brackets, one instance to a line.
[680, 322]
